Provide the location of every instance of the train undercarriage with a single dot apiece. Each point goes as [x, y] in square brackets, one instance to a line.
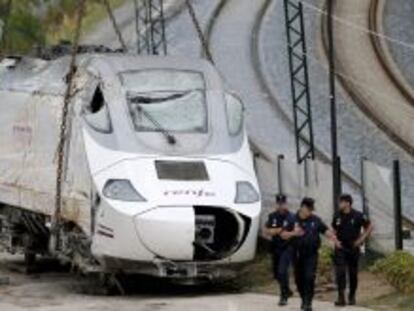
[29, 233]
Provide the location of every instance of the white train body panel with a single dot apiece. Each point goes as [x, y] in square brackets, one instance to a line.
[148, 204]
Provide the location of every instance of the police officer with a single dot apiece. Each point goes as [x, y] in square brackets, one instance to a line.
[348, 224]
[278, 226]
[308, 228]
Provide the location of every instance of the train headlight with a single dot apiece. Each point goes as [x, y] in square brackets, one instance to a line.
[121, 190]
[246, 193]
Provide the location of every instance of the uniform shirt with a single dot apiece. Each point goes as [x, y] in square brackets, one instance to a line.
[313, 227]
[284, 220]
[348, 226]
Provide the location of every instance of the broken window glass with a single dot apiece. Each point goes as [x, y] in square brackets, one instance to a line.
[166, 100]
[96, 113]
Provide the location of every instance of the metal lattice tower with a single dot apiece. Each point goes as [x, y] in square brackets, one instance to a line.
[150, 27]
[298, 67]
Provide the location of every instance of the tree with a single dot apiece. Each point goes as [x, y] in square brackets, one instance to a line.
[24, 27]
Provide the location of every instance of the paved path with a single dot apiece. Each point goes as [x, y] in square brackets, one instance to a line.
[241, 302]
[58, 291]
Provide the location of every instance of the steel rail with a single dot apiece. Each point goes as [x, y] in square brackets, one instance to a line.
[350, 88]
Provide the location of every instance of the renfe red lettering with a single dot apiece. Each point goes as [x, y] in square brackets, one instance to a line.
[197, 193]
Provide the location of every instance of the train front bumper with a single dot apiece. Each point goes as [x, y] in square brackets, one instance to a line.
[176, 234]
[188, 272]
[179, 222]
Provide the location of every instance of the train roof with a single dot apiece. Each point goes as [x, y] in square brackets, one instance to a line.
[27, 74]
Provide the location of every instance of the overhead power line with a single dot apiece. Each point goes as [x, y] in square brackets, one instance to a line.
[350, 78]
[200, 33]
[115, 24]
[359, 27]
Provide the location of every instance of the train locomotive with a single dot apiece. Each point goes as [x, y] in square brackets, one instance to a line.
[158, 174]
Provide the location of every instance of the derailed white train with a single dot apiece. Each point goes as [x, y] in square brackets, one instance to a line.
[159, 177]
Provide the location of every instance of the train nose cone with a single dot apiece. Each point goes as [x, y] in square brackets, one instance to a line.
[168, 232]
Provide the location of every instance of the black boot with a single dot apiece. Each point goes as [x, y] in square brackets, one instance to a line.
[290, 293]
[307, 307]
[283, 301]
[351, 299]
[307, 304]
[284, 296]
[340, 302]
[302, 305]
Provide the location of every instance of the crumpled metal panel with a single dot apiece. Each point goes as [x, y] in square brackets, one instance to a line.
[31, 105]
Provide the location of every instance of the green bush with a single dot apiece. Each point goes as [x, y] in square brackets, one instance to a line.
[398, 269]
[325, 265]
[24, 27]
[25, 30]
[44, 22]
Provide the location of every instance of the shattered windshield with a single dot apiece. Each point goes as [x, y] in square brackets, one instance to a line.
[166, 101]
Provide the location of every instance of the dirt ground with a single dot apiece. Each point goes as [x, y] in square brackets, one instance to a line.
[258, 279]
[53, 288]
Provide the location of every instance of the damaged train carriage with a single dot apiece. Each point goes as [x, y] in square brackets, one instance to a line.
[158, 178]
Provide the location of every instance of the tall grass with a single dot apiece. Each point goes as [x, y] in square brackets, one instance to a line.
[398, 269]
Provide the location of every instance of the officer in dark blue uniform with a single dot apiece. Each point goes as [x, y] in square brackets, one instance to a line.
[279, 227]
[309, 228]
[352, 229]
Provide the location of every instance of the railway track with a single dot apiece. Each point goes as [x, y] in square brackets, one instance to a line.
[390, 72]
[372, 83]
[238, 53]
[263, 84]
[212, 27]
[381, 45]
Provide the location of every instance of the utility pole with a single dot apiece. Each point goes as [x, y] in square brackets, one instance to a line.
[365, 207]
[150, 27]
[336, 162]
[399, 244]
[299, 80]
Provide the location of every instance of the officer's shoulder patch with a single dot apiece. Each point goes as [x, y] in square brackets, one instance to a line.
[362, 216]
